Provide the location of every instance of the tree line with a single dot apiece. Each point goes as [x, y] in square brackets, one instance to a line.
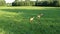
[36, 3]
[32, 3]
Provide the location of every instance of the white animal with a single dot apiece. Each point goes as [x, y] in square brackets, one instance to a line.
[31, 19]
[39, 16]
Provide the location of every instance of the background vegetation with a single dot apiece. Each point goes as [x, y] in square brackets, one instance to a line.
[37, 3]
[55, 3]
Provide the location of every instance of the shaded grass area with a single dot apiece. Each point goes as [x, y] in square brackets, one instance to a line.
[16, 21]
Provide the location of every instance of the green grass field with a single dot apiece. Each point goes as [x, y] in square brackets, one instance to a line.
[15, 20]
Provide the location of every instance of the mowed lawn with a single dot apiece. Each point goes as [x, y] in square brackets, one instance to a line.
[15, 20]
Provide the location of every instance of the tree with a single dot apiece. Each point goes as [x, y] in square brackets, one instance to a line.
[58, 2]
[27, 2]
[2, 3]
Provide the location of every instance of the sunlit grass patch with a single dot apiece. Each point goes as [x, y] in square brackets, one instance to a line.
[11, 16]
[2, 31]
[4, 12]
[28, 7]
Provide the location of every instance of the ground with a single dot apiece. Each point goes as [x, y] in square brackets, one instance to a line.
[15, 20]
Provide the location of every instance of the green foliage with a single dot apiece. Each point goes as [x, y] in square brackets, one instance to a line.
[2, 3]
[23, 3]
[55, 3]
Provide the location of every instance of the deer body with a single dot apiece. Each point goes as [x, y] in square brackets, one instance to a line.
[39, 16]
[31, 19]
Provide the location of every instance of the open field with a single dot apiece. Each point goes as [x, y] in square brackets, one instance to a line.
[15, 20]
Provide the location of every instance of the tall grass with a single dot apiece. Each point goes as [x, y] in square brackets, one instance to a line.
[16, 21]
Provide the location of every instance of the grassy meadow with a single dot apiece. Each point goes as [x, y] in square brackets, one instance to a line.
[15, 20]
